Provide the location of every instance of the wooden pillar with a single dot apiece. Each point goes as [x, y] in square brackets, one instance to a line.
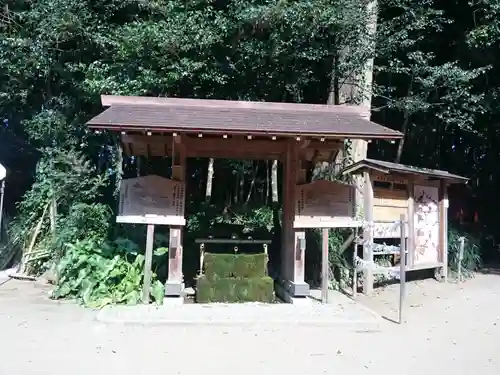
[443, 228]
[174, 285]
[410, 246]
[299, 239]
[293, 241]
[325, 266]
[286, 225]
[368, 234]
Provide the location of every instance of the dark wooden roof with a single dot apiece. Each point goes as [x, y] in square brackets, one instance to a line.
[237, 117]
[388, 167]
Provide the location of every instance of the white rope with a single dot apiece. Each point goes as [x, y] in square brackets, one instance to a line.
[378, 247]
[362, 265]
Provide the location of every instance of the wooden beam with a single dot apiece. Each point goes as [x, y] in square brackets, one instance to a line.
[236, 148]
[194, 141]
[234, 145]
[229, 153]
[325, 145]
[390, 178]
[229, 148]
[146, 139]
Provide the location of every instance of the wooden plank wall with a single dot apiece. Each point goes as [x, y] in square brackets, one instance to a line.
[389, 204]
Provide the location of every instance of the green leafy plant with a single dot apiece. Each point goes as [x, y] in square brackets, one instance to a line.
[98, 273]
[67, 179]
[471, 260]
[83, 221]
[339, 261]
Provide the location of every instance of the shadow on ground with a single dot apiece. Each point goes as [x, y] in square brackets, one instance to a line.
[490, 269]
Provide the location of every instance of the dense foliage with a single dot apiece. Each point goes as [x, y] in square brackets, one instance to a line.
[436, 77]
[98, 273]
[471, 255]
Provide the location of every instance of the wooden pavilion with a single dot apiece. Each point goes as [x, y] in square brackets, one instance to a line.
[420, 195]
[298, 135]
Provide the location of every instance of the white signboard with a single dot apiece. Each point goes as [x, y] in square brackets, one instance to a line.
[151, 200]
[324, 204]
[3, 172]
[426, 221]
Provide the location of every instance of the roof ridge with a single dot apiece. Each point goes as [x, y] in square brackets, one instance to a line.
[116, 100]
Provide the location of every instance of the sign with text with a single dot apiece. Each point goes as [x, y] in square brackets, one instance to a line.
[151, 200]
[324, 204]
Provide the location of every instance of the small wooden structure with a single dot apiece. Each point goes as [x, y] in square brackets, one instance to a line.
[154, 200]
[420, 194]
[297, 135]
[322, 204]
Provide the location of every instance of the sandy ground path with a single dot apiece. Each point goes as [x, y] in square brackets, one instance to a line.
[451, 329]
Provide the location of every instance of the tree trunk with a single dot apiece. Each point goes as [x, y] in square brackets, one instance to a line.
[357, 149]
[334, 94]
[401, 144]
[404, 128]
[241, 190]
[210, 177]
[138, 165]
[119, 168]
[324, 170]
[255, 169]
[236, 187]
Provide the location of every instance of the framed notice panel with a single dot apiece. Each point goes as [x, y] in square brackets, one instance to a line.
[426, 219]
[324, 204]
[151, 200]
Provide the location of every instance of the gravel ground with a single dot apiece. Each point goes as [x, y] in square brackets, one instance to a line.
[453, 328]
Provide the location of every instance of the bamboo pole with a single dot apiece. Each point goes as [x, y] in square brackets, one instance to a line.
[28, 253]
[460, 258]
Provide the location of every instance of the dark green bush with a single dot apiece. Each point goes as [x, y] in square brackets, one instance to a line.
[472, 251]
[233, 290]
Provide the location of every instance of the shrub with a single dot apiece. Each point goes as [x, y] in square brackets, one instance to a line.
[98, 273]
[340, 262]
[64, 177]
[472, 251]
